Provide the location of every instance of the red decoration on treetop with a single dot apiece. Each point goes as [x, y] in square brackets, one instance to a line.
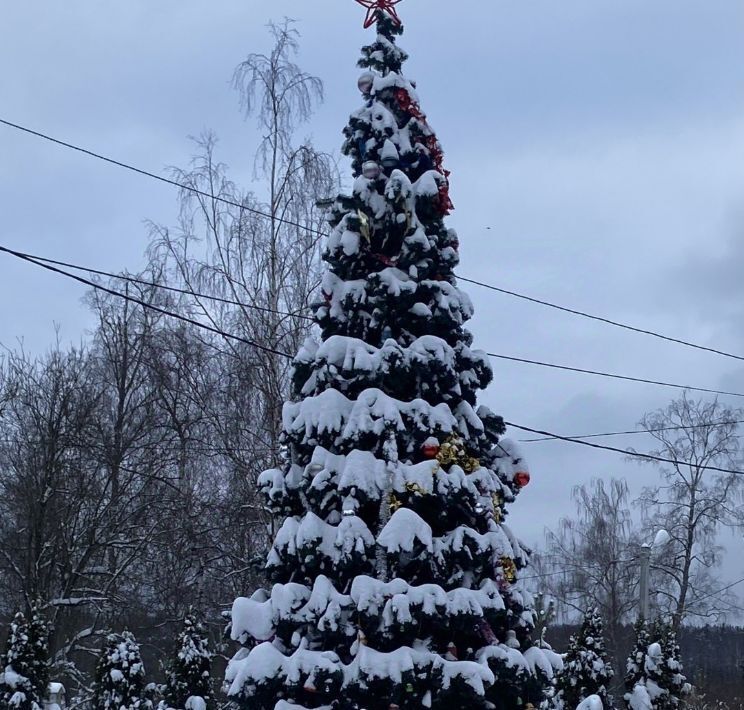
[383, 6]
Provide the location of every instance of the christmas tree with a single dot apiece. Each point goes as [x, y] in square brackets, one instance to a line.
[635, 667]
[189, 682]
[664, 681]
[120, 675]
[586, 667]
[657, 679]
[672, 676]
[396, 580]
[24, 680]
[38, 632]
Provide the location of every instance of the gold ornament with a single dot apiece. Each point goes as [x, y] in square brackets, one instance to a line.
[510, 569]
[452, 451]
[470, 464]
[364, 227]
[415, 488]
[498, 501]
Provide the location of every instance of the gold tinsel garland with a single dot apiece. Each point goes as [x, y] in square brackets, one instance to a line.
[510, 569]
[498, 501]
[452, 452]
[411, 487]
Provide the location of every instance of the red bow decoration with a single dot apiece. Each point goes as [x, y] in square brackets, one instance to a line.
[383, 6]
[437, 157]
[408, 104]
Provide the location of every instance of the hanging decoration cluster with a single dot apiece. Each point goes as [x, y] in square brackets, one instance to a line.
[451, 452]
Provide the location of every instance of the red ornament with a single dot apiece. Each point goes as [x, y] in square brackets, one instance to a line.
[373, 6]
[430, 448]
[384, 259]
[486, 632]
[408, 104]
[445, 203]
[521, 478]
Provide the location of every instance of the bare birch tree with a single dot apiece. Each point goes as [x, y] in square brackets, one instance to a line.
[260, 253]
[692, 503]
[591, 560]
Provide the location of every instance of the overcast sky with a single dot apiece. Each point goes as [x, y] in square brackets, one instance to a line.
[597, 158]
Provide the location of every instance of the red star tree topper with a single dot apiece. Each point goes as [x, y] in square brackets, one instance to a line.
[383, 6]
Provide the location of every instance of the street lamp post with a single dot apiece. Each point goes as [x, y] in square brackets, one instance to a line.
[661, 539]
[645, 567]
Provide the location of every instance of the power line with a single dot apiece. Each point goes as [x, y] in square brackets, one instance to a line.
[223, 334]
[716, 593]
[515, 294]
[46, 263]
[145, 304]
[634, 454]
[613, 375]
[165, 287]
[638, 431]
[155, 176]
[601, 319]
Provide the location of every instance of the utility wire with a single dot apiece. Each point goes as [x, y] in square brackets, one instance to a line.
[144, 304]
[613, 375]
[47, 264]
[155, 176]
[716, 593]
[633, 454]
[601, 319]
[170, 314]
[165, 287]
[638, 431]
[320, 233]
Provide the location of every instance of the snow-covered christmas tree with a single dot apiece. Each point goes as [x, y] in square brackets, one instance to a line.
[396, 579]
[24, 678]
[655, 680]
[586, 667]
[189, 682]
[38, 632]
[634, 670]
[120, 675]
[671, 676]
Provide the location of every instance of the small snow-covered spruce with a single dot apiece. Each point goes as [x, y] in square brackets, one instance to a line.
[635, 665]
[189, 674]
[120, 675]
[666, 682]
[24, 676]
[396, 581]
[38, 632]
[587, 670]
[656, 683]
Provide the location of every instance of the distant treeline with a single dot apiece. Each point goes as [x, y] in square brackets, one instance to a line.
[713, 657]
